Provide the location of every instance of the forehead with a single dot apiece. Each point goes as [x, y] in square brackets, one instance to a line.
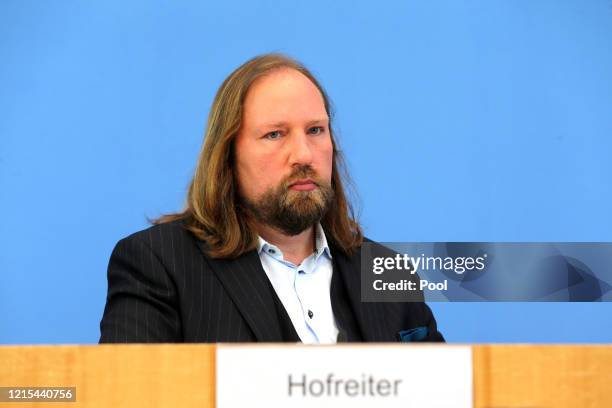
[283, 95]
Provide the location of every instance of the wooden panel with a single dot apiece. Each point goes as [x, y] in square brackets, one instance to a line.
[182, 375]
[134, 375]
[542, 376]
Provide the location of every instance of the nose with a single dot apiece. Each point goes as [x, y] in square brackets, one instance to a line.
[300, 149]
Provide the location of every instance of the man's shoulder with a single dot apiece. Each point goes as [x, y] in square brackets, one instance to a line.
[367, 244]
[162, 237]
[375, 246]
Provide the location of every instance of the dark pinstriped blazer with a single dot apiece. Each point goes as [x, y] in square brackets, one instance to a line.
[162, 287]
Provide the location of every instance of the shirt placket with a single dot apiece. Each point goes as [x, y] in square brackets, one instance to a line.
[304, 291]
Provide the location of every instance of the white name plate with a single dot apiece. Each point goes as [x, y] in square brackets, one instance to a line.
[335, 376]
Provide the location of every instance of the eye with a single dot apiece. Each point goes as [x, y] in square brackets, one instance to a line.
[273, 135]
[316, 130]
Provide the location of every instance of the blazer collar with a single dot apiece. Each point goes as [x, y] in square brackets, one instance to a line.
[248, 286]
[370, 316]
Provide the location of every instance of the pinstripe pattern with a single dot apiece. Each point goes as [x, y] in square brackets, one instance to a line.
[162, 287]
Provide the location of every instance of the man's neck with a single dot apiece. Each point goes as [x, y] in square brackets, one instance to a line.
[295, 248]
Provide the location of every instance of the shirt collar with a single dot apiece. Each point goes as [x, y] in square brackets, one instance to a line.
[321, 241]
[321, 245]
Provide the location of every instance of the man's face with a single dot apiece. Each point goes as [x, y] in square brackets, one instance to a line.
[283, 152]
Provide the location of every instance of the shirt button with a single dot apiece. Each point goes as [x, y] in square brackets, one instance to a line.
[271, 251]
[310, 314]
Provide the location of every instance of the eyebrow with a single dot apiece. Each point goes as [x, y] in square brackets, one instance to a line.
[284, 124]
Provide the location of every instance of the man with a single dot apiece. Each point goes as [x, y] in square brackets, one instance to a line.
[267, 248]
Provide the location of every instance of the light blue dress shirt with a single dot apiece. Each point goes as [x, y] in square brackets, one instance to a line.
[304, 289]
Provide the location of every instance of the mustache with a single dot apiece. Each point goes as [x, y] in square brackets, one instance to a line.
[301, 172]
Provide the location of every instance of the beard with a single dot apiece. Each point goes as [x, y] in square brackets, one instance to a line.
[292, 211]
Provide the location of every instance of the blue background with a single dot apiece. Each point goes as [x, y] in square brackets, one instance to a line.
[461, 121]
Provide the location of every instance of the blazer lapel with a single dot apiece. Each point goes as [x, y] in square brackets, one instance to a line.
[247, 284]
[370, 315]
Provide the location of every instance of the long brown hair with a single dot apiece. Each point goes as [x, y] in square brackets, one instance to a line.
[212, 210]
